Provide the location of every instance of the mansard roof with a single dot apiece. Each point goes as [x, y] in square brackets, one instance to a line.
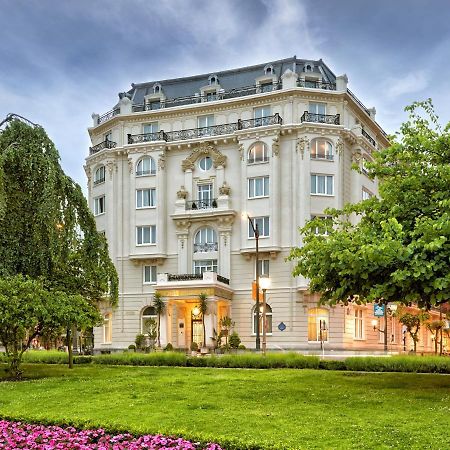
[227, 79]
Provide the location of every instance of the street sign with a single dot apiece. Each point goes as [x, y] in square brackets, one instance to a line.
[378, 310]
[261, 296]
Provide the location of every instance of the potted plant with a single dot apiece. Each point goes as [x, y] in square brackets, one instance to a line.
[194, 348]
[203, 307]
[158, 304]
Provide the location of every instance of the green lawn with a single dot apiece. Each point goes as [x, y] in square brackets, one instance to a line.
[286, 408]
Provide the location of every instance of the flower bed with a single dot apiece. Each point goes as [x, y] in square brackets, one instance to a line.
[39, 437]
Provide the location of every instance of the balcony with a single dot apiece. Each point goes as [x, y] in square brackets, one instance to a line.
[201, 204]
[215, 130]
[316, 85]
[206, 247]
[109, 115]
[101, 146]
[320, 118]
[205, 276]
[368, 137]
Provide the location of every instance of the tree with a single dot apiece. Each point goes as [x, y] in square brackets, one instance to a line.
[47, 230]
[203, 306]
[436, 327]
[412, 323]
[158, 304]
[28, 310]
[395, 247]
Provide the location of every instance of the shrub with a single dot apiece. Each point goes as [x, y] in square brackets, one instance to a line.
[142, 359]
[140, 341]
[234, 340]
[194, 347]
[242, 347]
[168, 347]
[132, 347]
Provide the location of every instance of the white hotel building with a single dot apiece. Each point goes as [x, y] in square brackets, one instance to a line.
[178, 165]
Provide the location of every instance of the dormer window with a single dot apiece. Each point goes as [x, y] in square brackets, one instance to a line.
[268, 70]
[213, 79]
[308, 67]
[157, 88]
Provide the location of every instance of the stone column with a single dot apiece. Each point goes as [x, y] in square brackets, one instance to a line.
[183, 253]
[161, 206]
[188, 184]
[275, 194]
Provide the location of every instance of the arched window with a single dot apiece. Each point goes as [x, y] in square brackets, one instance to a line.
[268, 319]
[205, 240]
[308, 67]
[321, 149]
[146, 166]
[99, 175]
[213, 79]
[268, 70]
[318, 321]
[156, 88]
[257, 153]
[148, 319]
[107, 328]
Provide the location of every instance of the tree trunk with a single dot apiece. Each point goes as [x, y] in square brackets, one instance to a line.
[204, 332]
[159, 330]
[415, 344]
[69, 347]
[15, 361]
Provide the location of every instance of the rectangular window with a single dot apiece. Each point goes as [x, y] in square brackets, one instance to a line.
[317, 108]
[325, 228]
[263, 266]
[359, 324]
[262, 115]
[99, 205]
[366, 194]
[205, 196]
[146, 235]
[322, 184]
[204, 124]
[263, 226]
[258, 187]
[145, 198]
[205, 265]
[211, 96]
[149, 274]
[153, 105]
[151, 128]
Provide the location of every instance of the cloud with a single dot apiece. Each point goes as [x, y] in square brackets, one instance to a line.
[409, 84]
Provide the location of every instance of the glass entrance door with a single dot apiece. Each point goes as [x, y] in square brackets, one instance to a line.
[197, 332]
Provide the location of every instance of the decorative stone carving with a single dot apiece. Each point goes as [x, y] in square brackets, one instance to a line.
[88, 174]
[205, 149]
[276, 145]
[182, 193]
[356, 156]
[130, 165]
[162, 162]
[241, 151]
[111, 165]
[339, 146]
[224, 189]
[302, 143]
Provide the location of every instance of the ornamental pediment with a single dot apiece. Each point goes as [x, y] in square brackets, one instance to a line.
[204, 149]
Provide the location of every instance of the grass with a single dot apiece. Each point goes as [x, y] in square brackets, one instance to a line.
[251, 409]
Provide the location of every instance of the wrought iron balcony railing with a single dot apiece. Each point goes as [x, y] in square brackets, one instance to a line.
[206, 247]
[320, 118]
[101, 146]
[215, 130]
[108, 115]
[318, 156]
[368, 137]
[193, 276]
[316, 85]
[147, 137]
[201, 204]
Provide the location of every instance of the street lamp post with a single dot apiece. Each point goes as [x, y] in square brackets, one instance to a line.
[265, 283]
[256, 233]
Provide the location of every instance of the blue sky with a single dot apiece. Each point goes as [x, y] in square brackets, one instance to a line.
[60, 61]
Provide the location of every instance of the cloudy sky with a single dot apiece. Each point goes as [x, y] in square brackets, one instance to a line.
[62, 60]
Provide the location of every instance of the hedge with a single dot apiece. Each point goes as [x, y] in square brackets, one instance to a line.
[405, 363]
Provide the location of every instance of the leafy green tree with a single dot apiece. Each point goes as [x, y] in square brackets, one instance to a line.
[47, 230]
[159, 305]
[412, 323]
[395, 247]
[28, 311]
[203, 307]
[435, 328]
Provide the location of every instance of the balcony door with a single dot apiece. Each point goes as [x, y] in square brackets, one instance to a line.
[205, 196]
